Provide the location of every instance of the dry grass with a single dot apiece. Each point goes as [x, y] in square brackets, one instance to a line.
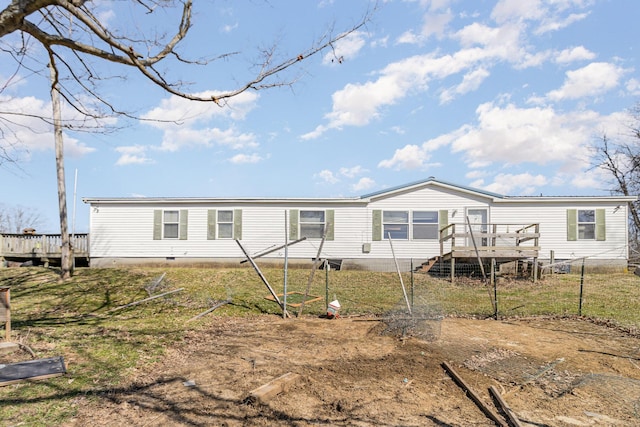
[101, 347]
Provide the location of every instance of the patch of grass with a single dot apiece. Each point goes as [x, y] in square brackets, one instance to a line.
[104, 349]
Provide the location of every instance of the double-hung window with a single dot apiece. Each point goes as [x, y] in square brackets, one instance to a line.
[171, 224]
[225, 224]
[425, 225]
[312, 224]
[395, 225]
[586, 224]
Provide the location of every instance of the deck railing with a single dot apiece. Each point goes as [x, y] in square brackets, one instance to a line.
[501, 240]
[41, 245]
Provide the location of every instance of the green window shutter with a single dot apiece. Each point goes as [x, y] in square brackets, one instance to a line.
[572, 224]
[211, 224]
[601, 232]
[376, 230]
[294, 217]
[157, 224]
[184, 220]
[443, 220]
[237, 224]
[330, 219]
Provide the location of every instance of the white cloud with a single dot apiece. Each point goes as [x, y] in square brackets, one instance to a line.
[175, 109]
[633, 87]
[594, 79]
[513, 135]
[470, 82]
[27, 128]
[363, 184]
[245, 158]
[436, 24]
[327, 176]
[180, 137]
[358, 104]
[352, 172]
[134, 154]
[344, 172]
[548, 15]
[521, 184]
[508, 136]
[555, 23]
[578, 53]
[345, 48]
[409, 37]
[228, 28]
[185, 123]
[508, 10]
[407, 157]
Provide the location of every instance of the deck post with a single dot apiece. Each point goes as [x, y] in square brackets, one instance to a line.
[453, 268]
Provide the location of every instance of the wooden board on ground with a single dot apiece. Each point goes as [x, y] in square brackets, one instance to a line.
[5, 311]
[268, 391]
[38, 369]
[8, 347]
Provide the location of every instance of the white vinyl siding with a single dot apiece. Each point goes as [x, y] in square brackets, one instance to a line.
[128, 229]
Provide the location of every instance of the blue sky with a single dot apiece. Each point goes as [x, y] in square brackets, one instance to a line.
[501, 95]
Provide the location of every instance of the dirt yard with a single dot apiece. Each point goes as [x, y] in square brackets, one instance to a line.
[550, 372]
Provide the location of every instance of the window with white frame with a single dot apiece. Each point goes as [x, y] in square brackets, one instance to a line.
[395, 225]
[171, 224]
[312, 224]
[425, 225]
[225, 224]
[586, 224]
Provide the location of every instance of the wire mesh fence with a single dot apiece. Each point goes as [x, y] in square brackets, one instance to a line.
[413, 302]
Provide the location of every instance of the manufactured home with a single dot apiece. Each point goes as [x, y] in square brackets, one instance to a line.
[418, 223]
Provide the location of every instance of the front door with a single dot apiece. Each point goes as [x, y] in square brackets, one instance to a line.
[478, 218]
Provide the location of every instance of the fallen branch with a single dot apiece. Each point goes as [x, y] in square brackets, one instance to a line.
[204, 313]
[145, 300]
[492, 415]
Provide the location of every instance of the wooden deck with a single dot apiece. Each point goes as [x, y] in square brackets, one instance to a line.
[488, 243]
[41, 248]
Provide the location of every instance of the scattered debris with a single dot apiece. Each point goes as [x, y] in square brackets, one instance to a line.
[333, 310]
[144, 300]
[189, 383]
[151, 287]
[32, 370]
[268, 391]
[204, 313]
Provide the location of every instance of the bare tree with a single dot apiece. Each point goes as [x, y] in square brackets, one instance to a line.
[73, 38]
[14, 219]
[620, 158]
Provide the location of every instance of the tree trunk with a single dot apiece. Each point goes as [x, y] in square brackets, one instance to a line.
[65, 250]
